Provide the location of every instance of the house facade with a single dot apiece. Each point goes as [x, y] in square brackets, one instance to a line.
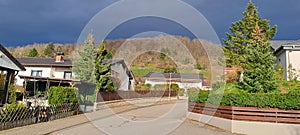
[122, 76]
[47, 70]
[184, 81]
[58, 71]
[287, 54]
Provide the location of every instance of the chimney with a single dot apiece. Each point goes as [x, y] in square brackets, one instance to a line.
[59, 57]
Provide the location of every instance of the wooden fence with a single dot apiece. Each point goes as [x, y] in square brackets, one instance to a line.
[119, 95]
[247, 113]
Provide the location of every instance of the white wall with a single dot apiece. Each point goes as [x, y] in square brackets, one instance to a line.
[46, 72]
[59, 72]
[294, 57]
[123, 76]
[153, 83]
[188, 85]
[182, 85]
[282, 59]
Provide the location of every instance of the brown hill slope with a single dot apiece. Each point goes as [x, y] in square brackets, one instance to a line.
[145, 53]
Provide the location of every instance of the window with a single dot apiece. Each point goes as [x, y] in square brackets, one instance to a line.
[67, 75]
[36, 73]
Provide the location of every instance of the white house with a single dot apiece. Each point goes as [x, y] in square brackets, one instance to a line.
[288, 54]
[46, 70]
[184, 81]
[122, 76]
[59, 71]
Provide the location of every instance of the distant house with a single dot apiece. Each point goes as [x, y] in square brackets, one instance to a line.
[184, 81]
[10, 67]
[122, 76]
[287, 54]
[46, 71]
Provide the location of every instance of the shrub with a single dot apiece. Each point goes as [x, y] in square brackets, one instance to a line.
[180, 92]
[232, 76]
[143, 87]
[62, 95]
[193, 94]
[166, 87]
[199, 67]
[288, 100]
[218, 85]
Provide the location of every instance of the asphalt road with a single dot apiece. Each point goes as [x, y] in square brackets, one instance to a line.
[143, 120]
[157, 119]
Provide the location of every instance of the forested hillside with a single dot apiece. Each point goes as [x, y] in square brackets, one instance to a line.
[176, 47]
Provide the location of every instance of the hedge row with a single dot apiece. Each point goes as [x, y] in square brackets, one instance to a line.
[61, 95]
[157, 87]
[286, 101]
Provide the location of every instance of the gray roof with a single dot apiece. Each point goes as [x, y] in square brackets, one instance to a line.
[113, 61]
[279, 45]
[276, 44]
[294, 43]
[179, 76]
[120, 61]
[44, 62]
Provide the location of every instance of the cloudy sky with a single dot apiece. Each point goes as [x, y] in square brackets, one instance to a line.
[62, 21]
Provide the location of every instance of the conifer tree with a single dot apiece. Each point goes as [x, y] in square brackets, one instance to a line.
[33, 53]
[102, 71]
[242, 35]
[85, 62]
[259, 67]
[49, 50]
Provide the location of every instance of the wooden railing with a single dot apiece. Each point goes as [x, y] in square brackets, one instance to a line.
[247, 113]
[118, 95]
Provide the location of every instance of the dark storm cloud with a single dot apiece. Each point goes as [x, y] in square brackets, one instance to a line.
[27, 21]
[221, 13]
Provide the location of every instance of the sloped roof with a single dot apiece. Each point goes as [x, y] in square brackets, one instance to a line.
[294, 43]
[276, 44]
[287, 45]
[122, 62]
[44, 62]
[12, 58]
[178, 76]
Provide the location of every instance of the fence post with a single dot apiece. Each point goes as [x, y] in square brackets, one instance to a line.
[37, 114]
[95, 102]
[48, 115]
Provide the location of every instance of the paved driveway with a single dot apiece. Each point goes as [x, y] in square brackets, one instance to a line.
[132, 120]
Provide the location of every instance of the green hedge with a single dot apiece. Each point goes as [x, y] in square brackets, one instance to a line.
[61, 95]
[142, 87]
[166, 87]
[290, 100]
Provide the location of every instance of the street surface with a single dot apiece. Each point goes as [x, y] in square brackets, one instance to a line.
[156, 119]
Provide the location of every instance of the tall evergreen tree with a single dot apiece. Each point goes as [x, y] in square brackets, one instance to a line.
[259, 68]
[242, 35]
[102, 71]
[85, 62]
[49, 50]
[33, 53]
